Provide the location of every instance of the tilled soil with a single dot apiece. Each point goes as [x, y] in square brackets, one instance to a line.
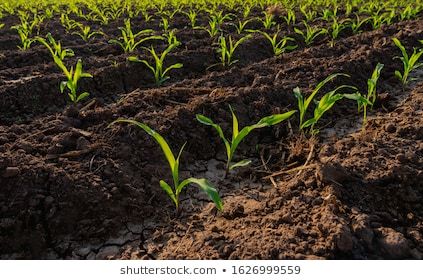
[71, 186]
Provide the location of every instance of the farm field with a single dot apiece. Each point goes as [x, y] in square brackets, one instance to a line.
[331, 93]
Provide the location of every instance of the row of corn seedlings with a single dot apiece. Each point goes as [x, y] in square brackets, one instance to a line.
[323, 105]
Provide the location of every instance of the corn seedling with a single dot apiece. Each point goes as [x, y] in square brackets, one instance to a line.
[268, 21]
[178, 186]
[55, 47]
[171, 38]
[308, 13]
[324, 105]
[25, 29]
[24, 36]
[238, 136]
[130, 41]
[219, 17]
[158, 70]
[377, 20]
[164, 24]
[241, 25]
[310, 34]
[335, 30]
[49, 13]
[410, 63]
[86, 34]
[372, 83]
[73, 78]
[370, 98]
[348, 8]
[279, 46]
[357, 24]
[192, 16]
[303, 104]
[213, 29]
[147, 16]
[72, 75]
[1, 25]
[408, 12]
[290, 17]
[227, 49]
[68, 23]
[328, 14]
[171, 13]
[246, 11]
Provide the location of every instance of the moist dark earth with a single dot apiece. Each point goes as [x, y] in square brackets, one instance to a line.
[73, 187]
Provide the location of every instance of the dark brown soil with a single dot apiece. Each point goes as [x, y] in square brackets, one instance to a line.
[73, 187]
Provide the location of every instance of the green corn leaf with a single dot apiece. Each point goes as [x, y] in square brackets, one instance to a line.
[206, 187]
[266, 121]
[401, 47]
[169, 192]
[174, 66]
[319, 86]
[274, 119]
[159, 139]
[398, 74]
[357, 97]
[204, 120]
[82, 96]
[309, 123]
[63, 86]
[235, 125]
[241, 163]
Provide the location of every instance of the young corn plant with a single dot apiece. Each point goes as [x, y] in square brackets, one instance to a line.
[304, 103]
[55, 47]
[212, 30]
[324, 105]
[308, 13]
[164, 24]
[238, 136]
[146, 15]
[241, 25]
[408, 12]
[130, 41]
[171, 38]
[358, 23]
[310, 34]
[86, 34]
[279, 46]
[227, 49]
[377, 20]
[335, 29]
[370, 98]
[328, 14]
[158, 69]
[67, 23]
[25, 29]
[268, 21]
[410, 63]
[174, 162]
[219, 17]
[73, 77]
[246, 11]
[290, 17]
[1, 25]
[24, 36]
[192, 16]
